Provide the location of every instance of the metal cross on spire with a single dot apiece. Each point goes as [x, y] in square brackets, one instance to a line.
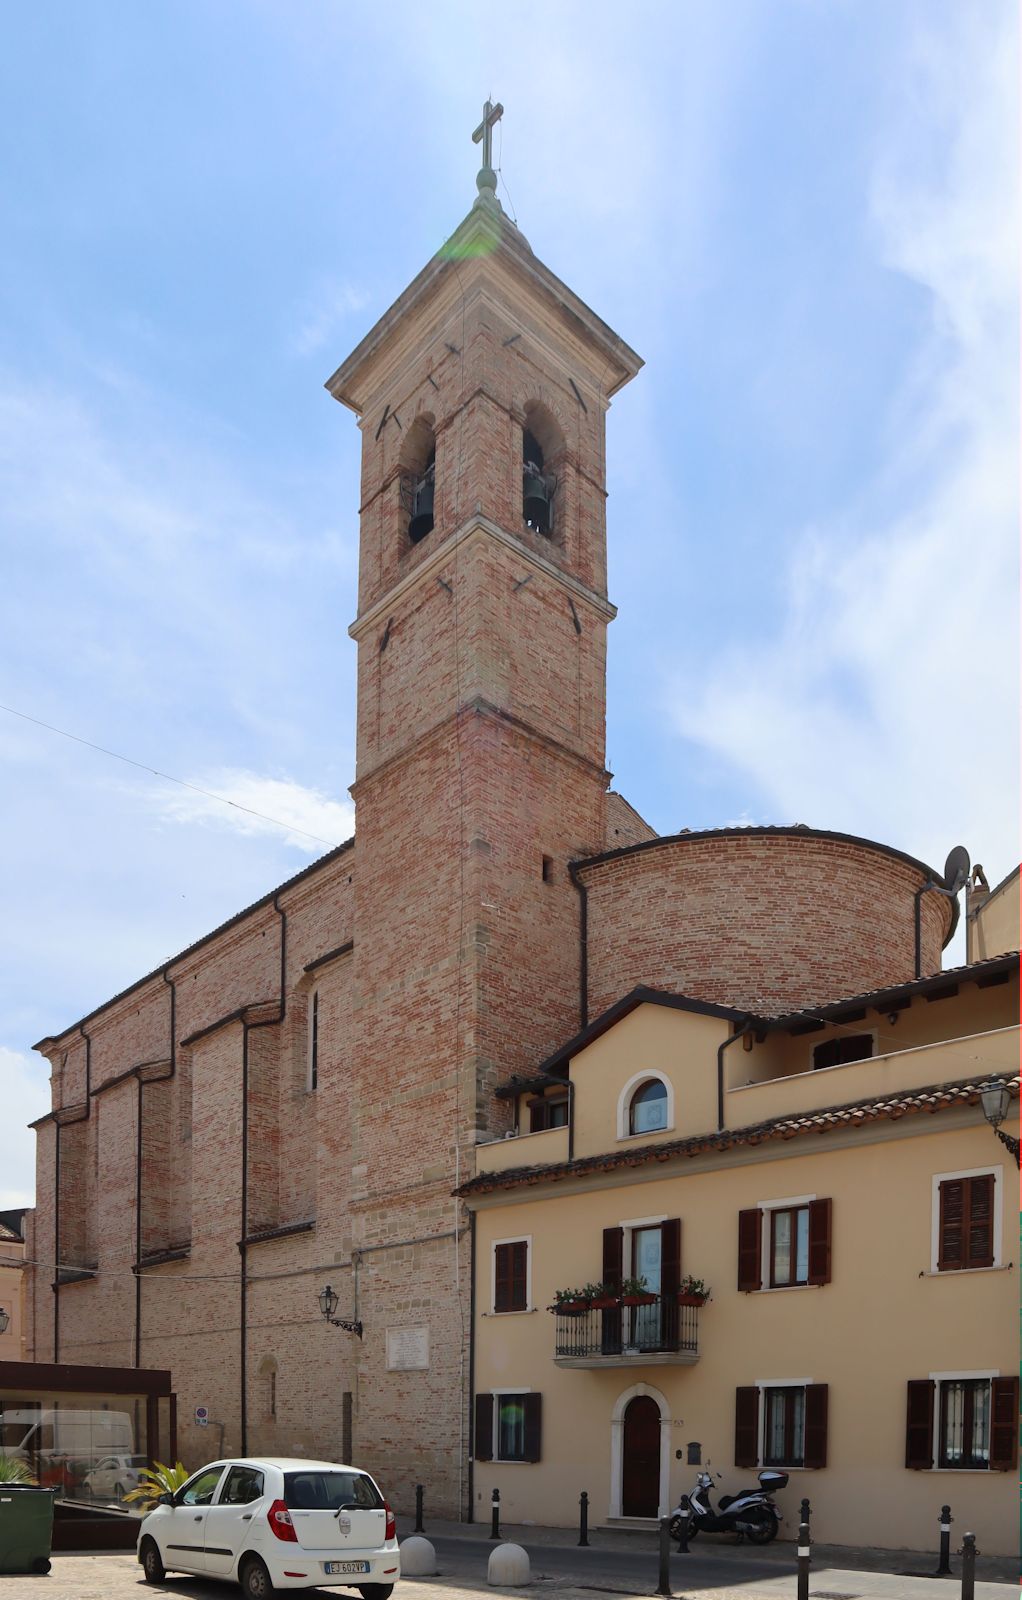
[487, 178]
[491, 114]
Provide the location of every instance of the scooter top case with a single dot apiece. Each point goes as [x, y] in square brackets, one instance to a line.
[771, 1481]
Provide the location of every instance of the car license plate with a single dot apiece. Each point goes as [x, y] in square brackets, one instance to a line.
[338, 1569]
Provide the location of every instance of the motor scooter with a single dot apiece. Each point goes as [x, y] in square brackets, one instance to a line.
[750, 1513]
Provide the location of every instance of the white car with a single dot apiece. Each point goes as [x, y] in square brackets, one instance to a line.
[113, 1476]
[273, 1523]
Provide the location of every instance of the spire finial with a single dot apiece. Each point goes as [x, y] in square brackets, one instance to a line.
[486, 179]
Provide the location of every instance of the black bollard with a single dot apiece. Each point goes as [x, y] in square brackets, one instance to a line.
[944, 1565]
[804, 1549]
[583, 1518]
[419, 1493]
[968, 1554]
[682, 1515]
[664, 1582]
[495, 1515]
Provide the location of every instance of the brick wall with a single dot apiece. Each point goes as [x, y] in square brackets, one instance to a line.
[773, 922]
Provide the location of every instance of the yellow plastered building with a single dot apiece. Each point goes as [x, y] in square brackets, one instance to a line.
[831, 1179]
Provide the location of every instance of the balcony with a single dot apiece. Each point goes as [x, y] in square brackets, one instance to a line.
[661, 1334]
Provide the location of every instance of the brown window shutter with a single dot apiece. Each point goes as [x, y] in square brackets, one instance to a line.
[533, 1426]
[502, 1277]
[919, 1424]
[951, 1247]
[819, 1241]
[520, 1275]
[747, 1427]
[816, 1425]
[979, 1233]
[1003, 1424]
[750, 1233]
[484, 1427]
[670, 1257]
[613, 1255]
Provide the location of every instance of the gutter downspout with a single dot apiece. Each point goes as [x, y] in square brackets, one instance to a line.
[725, 1044]
[471, 1368]
[583, 945]
[247, 1027]
[56, 1244]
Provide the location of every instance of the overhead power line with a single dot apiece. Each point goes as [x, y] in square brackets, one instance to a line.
[169, 777]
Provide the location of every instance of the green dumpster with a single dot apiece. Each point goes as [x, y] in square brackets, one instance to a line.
[26, 1528]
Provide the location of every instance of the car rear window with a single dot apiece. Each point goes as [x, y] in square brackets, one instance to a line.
[329, 1491]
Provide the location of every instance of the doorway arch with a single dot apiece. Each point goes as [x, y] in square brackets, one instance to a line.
[640, 1453]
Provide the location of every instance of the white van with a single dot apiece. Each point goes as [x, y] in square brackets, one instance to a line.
[39, 1437]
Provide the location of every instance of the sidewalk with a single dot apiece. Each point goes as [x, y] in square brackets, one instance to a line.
[716, 1564]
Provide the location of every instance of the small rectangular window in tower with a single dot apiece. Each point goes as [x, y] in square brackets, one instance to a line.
[314, 1040]
[548, 869]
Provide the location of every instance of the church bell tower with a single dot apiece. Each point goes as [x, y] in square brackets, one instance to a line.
[481, 634]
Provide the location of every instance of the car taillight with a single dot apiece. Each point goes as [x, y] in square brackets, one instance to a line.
[281, 1526]
[391, 1529]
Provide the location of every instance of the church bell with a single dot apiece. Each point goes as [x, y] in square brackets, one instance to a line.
[536, 507]
[422, 508]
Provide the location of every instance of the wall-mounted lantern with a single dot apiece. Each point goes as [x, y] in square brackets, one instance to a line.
[996, 1099]
[5, 1320]
[328, 1305]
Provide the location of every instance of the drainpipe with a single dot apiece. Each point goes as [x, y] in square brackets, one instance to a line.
[583, 945]
[56, 1244]
[247, 1027]
[725, 1045]
[471, 1368]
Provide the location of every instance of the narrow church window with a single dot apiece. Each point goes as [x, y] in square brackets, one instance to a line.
[548, 869]
[314, 1040]
[422, 502]
[537, 486]
[418, 479]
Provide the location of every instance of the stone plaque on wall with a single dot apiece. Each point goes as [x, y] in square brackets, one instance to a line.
[407, 1349]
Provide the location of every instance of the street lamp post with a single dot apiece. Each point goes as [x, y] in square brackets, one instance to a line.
[996, 1099]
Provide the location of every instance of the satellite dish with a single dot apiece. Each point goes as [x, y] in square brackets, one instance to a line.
[956, 869]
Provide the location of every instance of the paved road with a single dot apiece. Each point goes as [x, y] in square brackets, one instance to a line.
[616, 1563]
[712, 1565]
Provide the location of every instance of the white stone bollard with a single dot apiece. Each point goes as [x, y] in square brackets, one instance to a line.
[509, 1566]
[418, 1558]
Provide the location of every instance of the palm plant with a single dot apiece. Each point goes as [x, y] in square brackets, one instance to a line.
[156, 1481]
[14, 1470]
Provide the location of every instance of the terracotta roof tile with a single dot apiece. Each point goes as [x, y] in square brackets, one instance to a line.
[856, 1114]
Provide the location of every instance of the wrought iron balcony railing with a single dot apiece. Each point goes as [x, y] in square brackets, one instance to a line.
[660, 1331]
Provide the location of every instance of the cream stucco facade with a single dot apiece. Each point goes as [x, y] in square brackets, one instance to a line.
[12, 1294]
[875, 1137]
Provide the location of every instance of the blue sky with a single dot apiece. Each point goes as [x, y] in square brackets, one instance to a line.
[803, 215]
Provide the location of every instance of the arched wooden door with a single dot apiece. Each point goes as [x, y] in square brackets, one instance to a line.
[640, 1463]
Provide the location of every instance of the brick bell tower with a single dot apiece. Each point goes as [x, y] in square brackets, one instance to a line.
[481, 634]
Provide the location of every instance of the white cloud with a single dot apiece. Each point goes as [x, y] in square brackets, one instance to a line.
[325, 312]
[884, 701]
[306, 818]
[24, 1081]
